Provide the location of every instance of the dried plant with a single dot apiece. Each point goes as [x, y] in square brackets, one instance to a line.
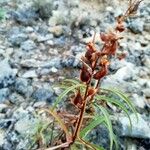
[87, 97]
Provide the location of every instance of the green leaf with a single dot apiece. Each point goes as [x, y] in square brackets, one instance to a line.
[124, 98]
[95, 122]
[73, 81]
[2, 14]
[97, 147]
[109, 124]
[63, 94]
[89, 145]
[116, 102]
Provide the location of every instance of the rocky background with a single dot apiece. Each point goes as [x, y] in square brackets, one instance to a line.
[38, 39]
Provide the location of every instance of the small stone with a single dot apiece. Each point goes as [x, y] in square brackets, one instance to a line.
[28, 45]
[147, 26]
[4, 93]
[22, 87]
[25, 16]
[2, 137]
[56, 30]
[43, 94]
[147, 92]
[25, 126]
[139, 101]
[140, 127]
[40, 104]
[53, 70]
[3, 107]
[30, 74]
[146, 62]
[16, 36]
[29, 29]
[125, 73]
[68, 62]
[16, 98]
[45, 38]
[50, 42]
[136, 26]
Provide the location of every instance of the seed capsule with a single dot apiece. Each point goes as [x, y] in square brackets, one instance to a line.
[85, 75]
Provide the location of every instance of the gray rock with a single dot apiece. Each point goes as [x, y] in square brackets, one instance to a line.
[25, 125]
[26, 16]
[44, 8]
[17, 38]
[43, 94]
[28, 45]
[146, 61]
[6, 123]
[139, 101]
[4, 93]
[30, 74]
[41, 38]
[2, 136]
[22, 86]
[147, 27]
[3, 107]
[67, 61]
[7, 74]
[32, 63]
[16, 98]
[147, 92]
[136, 26]
[124, 73]
[140, 127]
[56, 30]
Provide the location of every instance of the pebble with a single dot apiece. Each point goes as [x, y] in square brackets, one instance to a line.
[56, 30]
[28, 45]
[140, 127]
[30, 74]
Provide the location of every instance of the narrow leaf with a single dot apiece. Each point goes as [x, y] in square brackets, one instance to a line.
[108, 122]
[124, 98]
[97, 120]
[62, 95]
[116, 102]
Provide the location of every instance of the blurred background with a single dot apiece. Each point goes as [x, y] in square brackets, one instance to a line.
[41, 42]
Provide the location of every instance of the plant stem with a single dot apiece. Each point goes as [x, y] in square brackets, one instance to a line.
[79, 123]
[59, 146]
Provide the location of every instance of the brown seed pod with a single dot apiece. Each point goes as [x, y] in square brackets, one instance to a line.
[78, 100]
[120, 27]
[100, 74]
[85, 75]
[91, 91]
[103, 37]
[121, 56]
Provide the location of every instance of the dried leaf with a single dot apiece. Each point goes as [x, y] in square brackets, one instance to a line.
[134, 7]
